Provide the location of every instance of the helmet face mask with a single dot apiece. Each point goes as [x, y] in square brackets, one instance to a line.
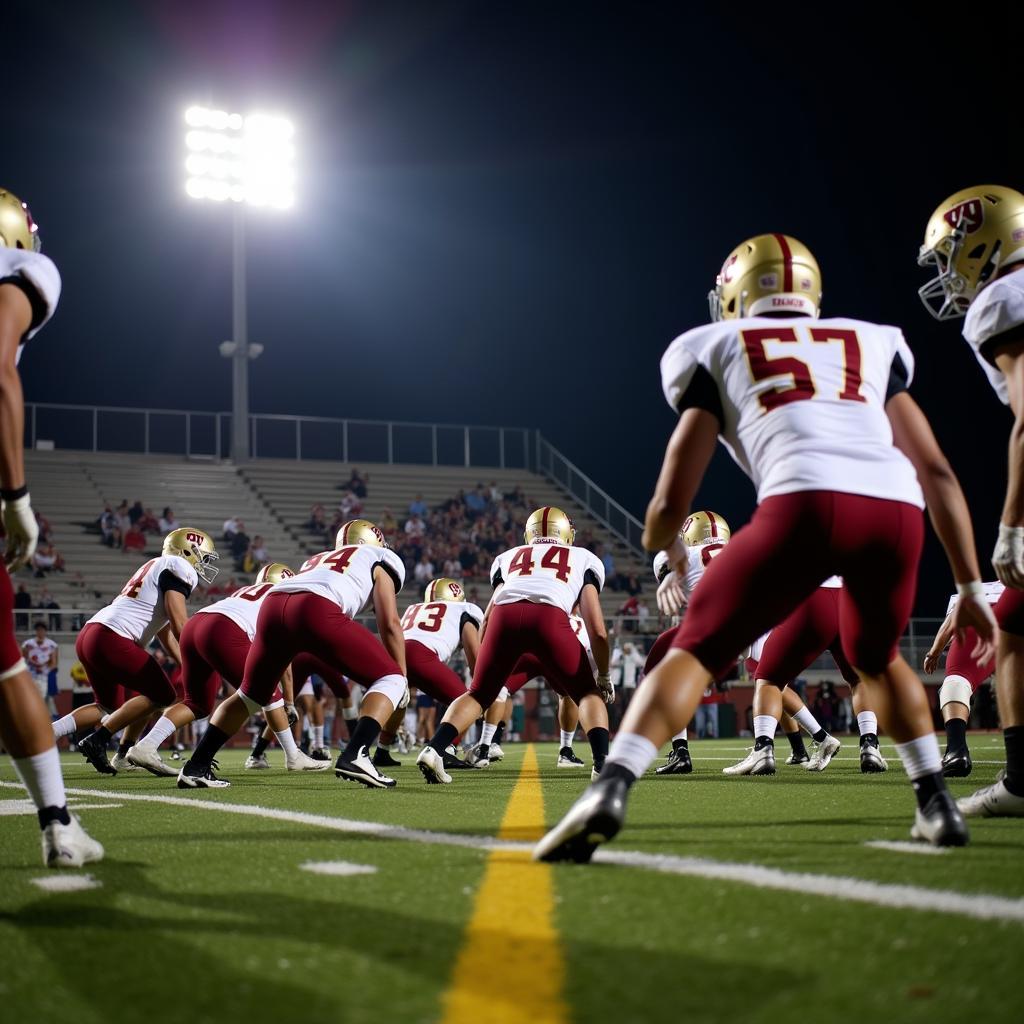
[549, 525]
[197, 548]
[444, 589]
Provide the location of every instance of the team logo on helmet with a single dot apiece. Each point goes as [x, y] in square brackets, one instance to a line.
[360, 531]
[969, 215]
[274, 572]
[444, 589]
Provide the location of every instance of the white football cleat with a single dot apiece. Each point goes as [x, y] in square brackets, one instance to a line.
[431, 764]
[145, 755]
[871, 760]
[496, 753]
[200, 780]
[361, 769]
[69, 846]
[823, 753]
[300, 762]
[476, 758]
[595, 774]
[122, 764]
[567, 759]
[757, 762]
[994, 801]
[254, 763]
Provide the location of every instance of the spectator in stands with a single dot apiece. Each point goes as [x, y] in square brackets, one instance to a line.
[424, 571]
[317, 521]
[136, 512]
[149, 522]
[168, 522]
[476, 501]
[356, 484]
[47, 559]
[258, 553]
[417, 507]
[632, 664]
[387, 522]
[230, 528]
[47, 601]
[644, 621]
[415, 527]
[350, 506]
[45, 530]
[124, 520]
[629, 611]
[134, 539]
[240, 545]
[22, 599]
[495, 494]
[110, 533]
[608, 561]
[633, 586]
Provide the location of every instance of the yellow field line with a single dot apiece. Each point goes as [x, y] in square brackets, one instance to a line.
[510, 969]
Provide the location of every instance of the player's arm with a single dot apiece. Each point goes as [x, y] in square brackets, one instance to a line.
[940, 643]
[593, 619]
[19, 522]
[1008, 559]
[385, 610]
[288, 685]
[687, 456]
[169, 642]
[470, 643]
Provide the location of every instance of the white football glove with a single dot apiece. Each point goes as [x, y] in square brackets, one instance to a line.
[292, 713]
[606, 687]
[672, 593]
[406, 697]
[973, 611]
[22, 531]
[1008, 557]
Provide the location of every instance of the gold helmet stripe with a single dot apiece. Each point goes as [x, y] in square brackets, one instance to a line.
[787, 262]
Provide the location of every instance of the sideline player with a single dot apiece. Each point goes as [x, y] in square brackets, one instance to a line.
[536, 586]
[817, 413]
[964, 675]
[29, 290]
[314, 612]
[975, 239]
[41, 653]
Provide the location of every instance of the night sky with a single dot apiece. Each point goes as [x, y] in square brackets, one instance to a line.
[506, 210]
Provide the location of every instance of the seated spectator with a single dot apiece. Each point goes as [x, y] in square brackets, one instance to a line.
[633, 585]
[494, 493]
[136, 512]
[415, 528]
[47, 559]
[124, 520]
[134, 539]
[417, 507]
[629, 611]
[149, 522]
[607, 560]
[387, 522]
[350, 506]
[107, 523]
[258, 551]
[476, 501]
[46, 600]
[317, 521]
[167, 521]
[45, 530]
[230, 528]
[424, 571]
[240, 545]
[22, 599]
[643, 615]
[356, 484]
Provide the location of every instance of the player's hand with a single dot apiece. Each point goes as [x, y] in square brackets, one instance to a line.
[1008, 557]
[973, 611]
[292, 713]
[931, 662]
[606, 687]
[22, 531]
[671, 594]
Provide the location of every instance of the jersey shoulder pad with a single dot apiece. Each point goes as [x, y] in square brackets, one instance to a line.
[682, 357]
[474, 611]
[395, 565]
[999, 308]
[593, 564]
[660, 565]
[40, 272]
[179, 567]
[497, 573]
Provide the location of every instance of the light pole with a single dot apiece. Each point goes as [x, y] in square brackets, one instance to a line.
[249, 161]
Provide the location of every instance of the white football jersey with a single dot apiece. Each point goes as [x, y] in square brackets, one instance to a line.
[38, 654]
[138, 611]
[344, 576]
[545, 574]
[242, 607]
[438, 624]
[579, 627]
[833, 583]
[40, 272]
[998, 308]
[803, 401]
[993, 591]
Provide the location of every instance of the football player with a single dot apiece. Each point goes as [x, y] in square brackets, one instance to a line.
[964, 674]
[818, 414]
[975, 239]
[41, 655]
[29, 290]
[214, 644]
[536, 587]
[314, 612]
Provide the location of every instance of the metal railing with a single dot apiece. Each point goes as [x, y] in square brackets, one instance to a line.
[550, 462]
[99, 428]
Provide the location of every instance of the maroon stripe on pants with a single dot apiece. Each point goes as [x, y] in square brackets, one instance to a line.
[114, 664]
[431, 675]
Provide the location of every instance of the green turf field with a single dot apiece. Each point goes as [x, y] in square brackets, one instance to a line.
[205, 915]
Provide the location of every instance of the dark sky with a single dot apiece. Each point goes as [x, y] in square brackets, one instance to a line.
[506, 210]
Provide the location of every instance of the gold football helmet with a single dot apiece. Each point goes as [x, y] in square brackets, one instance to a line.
[196, 548]
[274, 573]
[969, 236]
[444, 589]
[17, 228]
[359, 531]
[551, 524]
[701, 528]
[767, 274]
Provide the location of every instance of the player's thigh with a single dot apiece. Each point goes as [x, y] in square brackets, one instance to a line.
[659, 649]
[1009, 611]
[960, 661]
[501, 649]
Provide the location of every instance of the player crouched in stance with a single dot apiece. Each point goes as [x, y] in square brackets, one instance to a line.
[29, 289]
[313, 612]
[817, 413]
[214, 645]
[976, 241]
[536, 587]
[113, 644]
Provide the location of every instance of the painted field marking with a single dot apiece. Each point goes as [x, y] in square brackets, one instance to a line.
[66, 883]
[512, 929]
[982, 906]
[337, 867]
[906, 847]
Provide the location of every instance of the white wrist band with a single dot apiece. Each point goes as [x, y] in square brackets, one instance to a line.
[975, 588]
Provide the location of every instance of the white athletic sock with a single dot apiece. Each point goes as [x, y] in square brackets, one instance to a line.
[287, 741]
[487, 733]
[633, 752]
[567, 738]
[679, 736]
[921, 756]
[162, 729]
[64, 726]
[867, 721]
[41, 776]
[318, 737]
[807, 721]
[764, 726]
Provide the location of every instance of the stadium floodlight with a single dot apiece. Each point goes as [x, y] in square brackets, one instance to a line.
[249, 161]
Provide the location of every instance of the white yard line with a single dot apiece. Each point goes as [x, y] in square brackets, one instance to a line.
[907, 847]
[981, 906]
[337, 867]
[66, 883]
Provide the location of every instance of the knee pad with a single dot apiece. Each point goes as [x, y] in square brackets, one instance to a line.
[254, 706]
[955, 689]
[502, 694]
[394, 687]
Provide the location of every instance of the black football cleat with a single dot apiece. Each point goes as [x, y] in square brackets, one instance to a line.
[321, 754]
[95, 752]
[199, 777]
[362, 770]
[956, 764]
[679, 763]
[382, 759]
[594, 819]
[454, 763]
[940, 823]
